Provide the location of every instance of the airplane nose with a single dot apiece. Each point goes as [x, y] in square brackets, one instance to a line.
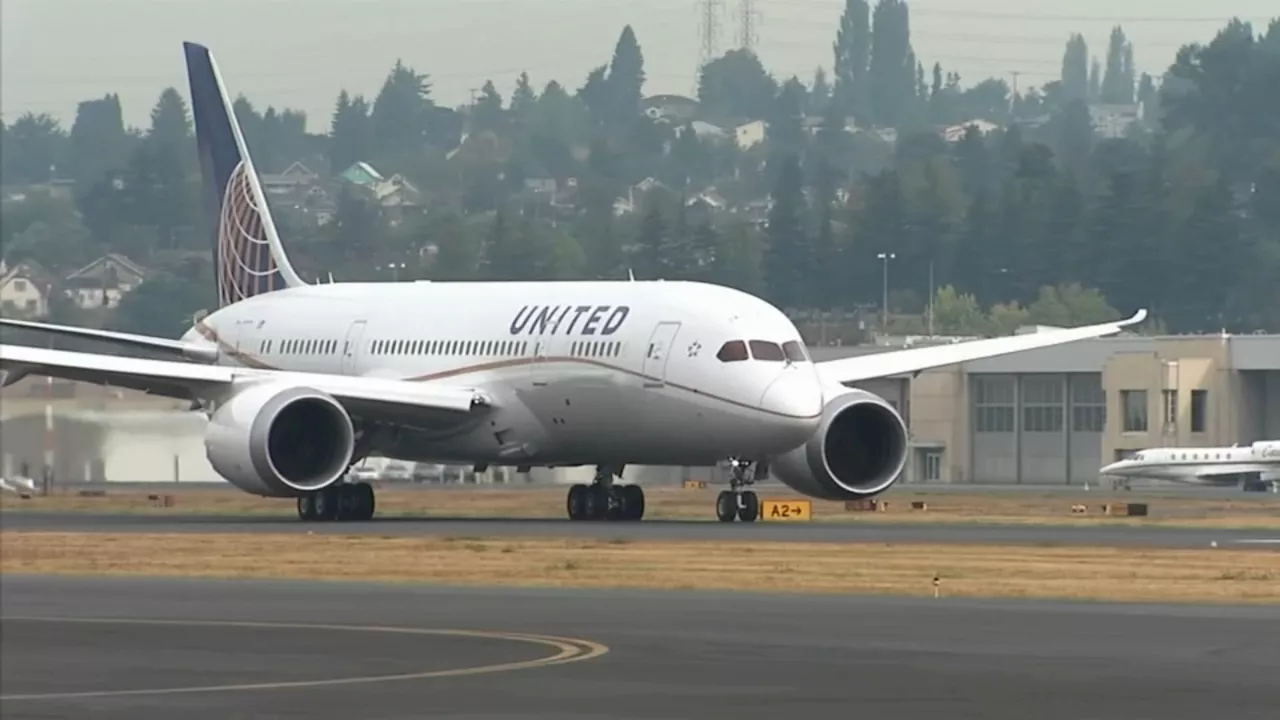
[795, 393]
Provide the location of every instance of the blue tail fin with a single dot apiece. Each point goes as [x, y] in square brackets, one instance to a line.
[248, 257]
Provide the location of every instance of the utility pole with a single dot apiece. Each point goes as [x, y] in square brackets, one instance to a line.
[747, 25]
[709, 15]
[932, 292]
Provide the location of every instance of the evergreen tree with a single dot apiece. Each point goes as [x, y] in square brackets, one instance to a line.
[523, 99]
[350, 137]
[852, 48]
[1075, 69]
[626, 79]
[892, 71]
[787, 261]
[1118, 80]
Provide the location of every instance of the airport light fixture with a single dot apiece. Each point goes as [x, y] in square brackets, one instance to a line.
[884, 302]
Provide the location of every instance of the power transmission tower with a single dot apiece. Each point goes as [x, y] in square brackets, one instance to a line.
[747, 17]
[709, 14]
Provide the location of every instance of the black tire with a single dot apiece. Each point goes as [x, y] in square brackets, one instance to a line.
[365, 501]
[347, 507]
[326, 504]
[726, 506]
[593, 504]
[633, 501]
[575, 503]
[307, 507]
[750, 509]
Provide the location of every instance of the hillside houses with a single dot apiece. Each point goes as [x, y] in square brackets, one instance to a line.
[27, 290]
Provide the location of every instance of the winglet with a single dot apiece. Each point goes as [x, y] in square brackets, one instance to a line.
[1137, 318]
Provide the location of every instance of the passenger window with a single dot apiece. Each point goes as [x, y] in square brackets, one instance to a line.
[794, 351]
[733, 351]
[767, 351]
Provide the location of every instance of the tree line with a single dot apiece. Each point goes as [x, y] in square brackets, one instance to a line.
[1047, 214]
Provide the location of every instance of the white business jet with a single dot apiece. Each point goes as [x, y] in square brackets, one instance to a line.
[302, 381]
[1253, 467]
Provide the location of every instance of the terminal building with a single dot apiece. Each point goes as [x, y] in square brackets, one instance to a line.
[1055, 416]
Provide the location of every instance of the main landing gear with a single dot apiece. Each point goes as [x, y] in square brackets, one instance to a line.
[344, 501]
[602, 500]
[736, 503]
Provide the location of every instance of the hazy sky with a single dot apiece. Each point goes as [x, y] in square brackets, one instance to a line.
[300, 53]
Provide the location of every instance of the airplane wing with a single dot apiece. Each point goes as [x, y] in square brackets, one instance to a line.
[901, 362]
[176, 348]
[382, 399]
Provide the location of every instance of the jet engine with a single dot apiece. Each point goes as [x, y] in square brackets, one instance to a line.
[280, 440]
[859, 450]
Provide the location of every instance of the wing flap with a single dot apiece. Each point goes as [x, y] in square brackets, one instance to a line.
[901, 362]
[373, 398]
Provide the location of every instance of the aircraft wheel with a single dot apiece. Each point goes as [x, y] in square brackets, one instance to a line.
[633, 501]
[363, 501]
[726, 506]
[576, 502]
[594, 504]
[327, 504]
[749, 510]
[307, 507]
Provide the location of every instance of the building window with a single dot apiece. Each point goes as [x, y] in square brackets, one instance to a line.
[993, 404]
[1199, 411]
[1133, 403]
[1042, 403]
[1171, 412]
[1088, 404]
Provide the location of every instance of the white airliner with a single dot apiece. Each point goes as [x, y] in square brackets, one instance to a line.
[302, 381]
[1254, 466]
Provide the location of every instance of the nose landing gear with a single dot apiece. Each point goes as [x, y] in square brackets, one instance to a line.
[736, 503]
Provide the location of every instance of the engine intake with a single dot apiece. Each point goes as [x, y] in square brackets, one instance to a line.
[859, 450]
[280, 441]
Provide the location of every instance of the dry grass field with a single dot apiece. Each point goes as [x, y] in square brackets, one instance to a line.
[974, 571]
[1022, 507]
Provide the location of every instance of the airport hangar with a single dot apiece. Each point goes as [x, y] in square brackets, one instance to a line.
[1057, 415]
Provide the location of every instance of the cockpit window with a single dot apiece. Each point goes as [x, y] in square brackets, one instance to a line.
[794, 351]
[767, 351]
[733, 351]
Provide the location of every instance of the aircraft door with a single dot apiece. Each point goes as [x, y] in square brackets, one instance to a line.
[248, 340]
[351, 347]
[656, 355]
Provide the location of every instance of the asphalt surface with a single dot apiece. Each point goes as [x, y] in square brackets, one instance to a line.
[665, 655]
[958, 533]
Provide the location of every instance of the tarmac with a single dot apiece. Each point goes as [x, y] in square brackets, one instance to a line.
[878, 532]
[155, 649]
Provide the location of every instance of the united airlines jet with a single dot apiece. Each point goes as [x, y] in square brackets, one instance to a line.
[301, 381]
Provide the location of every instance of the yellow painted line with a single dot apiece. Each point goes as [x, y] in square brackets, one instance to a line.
[786, 510]
[567, 650]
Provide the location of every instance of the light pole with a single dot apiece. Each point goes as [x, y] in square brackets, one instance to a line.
[884, 302]
[395, 269]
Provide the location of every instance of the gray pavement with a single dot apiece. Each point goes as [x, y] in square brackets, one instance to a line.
[670, 654]
[852, 531]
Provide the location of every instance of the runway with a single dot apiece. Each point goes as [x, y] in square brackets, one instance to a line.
[624, 654]
[877, 532]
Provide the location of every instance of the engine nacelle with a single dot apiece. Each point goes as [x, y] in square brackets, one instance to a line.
[280, 440]
[859, 450]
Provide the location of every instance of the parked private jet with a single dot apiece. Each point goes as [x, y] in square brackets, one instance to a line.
[1253, 467]
[301, 381]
